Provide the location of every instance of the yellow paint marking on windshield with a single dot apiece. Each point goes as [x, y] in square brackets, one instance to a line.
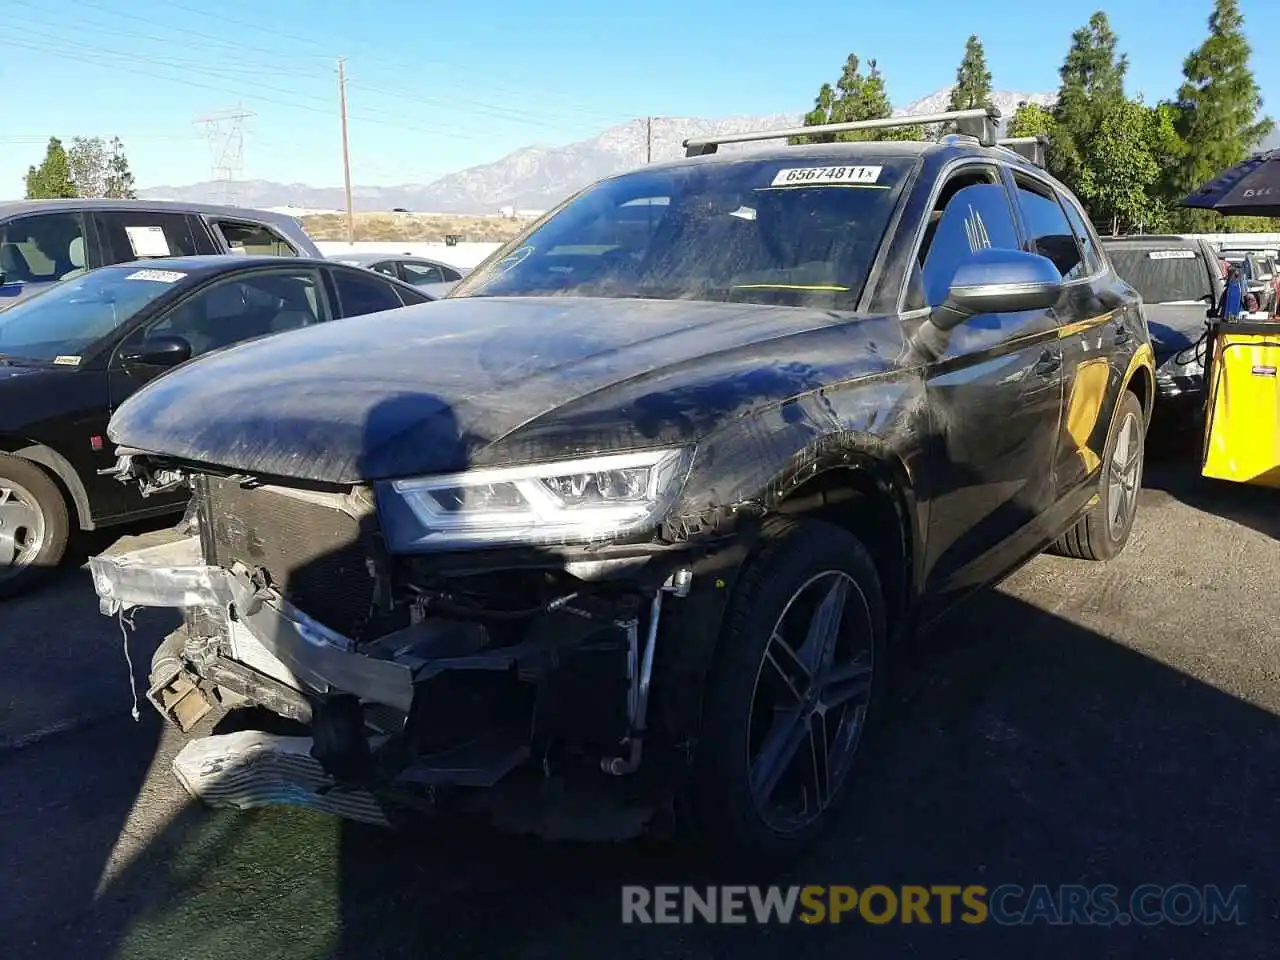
[789, 286]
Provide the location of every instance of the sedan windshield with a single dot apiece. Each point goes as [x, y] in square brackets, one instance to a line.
[802, 231]
[60, 322]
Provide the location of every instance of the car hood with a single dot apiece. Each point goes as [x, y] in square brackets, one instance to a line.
[433, 388]
[1174, 326]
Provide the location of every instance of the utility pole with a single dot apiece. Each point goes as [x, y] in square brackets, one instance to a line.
[648, 139]
[346, 155]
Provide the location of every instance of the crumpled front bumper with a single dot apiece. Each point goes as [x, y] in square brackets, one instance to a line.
[174, 575]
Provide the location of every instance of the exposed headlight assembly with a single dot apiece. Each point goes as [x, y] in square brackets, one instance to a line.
[593, 499]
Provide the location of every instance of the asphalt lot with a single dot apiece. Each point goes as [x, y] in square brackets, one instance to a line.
[1082, 724]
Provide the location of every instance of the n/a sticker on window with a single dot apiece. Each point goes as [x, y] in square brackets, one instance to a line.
[1171, 255]
[822, 176]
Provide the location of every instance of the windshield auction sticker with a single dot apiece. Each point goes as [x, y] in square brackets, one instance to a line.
[823, 176]
[1171, 255]
[66, 361]
[158, 276]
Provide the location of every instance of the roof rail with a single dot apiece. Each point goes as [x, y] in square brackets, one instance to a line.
[981, 122]
[1029, 148]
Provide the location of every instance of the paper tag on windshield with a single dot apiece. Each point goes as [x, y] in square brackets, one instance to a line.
[822, 176]
[158, 276]
[148, 241]
[1171, 255]
[67, 361]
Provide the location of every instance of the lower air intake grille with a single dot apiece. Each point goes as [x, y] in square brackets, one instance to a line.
[309, 546]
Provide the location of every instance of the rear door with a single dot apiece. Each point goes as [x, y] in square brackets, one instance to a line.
[1087, 331]
[361, 292]
[996, 397]
[128, 235]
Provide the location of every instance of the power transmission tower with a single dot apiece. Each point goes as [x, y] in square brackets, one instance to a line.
[225, 132]
[648, 139]
[346, 155]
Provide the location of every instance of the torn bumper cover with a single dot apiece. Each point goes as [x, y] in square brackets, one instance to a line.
[173, 575]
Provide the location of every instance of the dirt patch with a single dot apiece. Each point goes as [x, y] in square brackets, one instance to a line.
[413, 227]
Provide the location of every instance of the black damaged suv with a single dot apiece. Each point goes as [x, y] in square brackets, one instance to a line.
[645, 502]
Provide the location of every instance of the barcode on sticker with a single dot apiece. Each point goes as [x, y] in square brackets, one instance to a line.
[1171, 255]
[814, 176]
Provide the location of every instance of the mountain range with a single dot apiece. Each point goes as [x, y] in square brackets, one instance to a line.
[533, 177]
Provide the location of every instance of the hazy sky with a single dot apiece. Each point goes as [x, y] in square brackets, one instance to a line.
[436, 87]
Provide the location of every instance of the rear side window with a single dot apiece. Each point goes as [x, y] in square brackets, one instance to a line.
[129, 235]
[1048, 231]
[360, 293]
[255, 239]
[417, 273]
[1088, 245]
[47, 246]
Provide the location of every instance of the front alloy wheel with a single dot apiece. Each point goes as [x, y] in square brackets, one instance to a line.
[34, 525]
[794, 685]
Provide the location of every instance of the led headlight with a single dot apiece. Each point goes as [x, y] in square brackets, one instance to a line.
[568, 501]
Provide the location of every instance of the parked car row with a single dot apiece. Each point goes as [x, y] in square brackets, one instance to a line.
[645, 503]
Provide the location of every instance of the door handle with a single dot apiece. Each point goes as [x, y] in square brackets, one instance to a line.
[1050, 362]
[1122, 333]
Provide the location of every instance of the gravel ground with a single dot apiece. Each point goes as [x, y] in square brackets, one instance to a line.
[1084, 723]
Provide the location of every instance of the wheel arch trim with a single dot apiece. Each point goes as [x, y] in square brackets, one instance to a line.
[61, 469]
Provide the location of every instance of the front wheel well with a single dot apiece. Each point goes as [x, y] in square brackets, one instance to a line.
[59, 471]
[855, 500]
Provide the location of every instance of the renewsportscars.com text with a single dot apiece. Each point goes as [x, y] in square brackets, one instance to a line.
[1180, 904]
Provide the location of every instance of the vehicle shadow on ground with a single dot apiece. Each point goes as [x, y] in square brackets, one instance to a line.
[1036, 752]
[1173, 467]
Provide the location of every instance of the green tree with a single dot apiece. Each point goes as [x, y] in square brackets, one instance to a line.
[973, 79]
[119, 178]
[1218, 109]
[1030, 120]
[1118, 183]
[856, 96]
[1092, 85]
[87, 161]
[52, 179]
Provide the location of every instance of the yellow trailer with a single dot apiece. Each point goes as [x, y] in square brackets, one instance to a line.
[1242, 407]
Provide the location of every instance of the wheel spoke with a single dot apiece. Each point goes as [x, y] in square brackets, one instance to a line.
[824, 628]
[819, 760]
[784, 666]
[781, 744]
[847, 683]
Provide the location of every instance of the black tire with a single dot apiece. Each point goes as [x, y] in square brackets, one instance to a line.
[47, 499]
[793, 552]
[1095, 536]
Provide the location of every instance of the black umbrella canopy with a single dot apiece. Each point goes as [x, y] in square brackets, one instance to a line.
[1249, 189]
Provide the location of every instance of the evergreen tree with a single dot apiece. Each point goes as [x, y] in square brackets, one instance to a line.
[856, 96]
[52, 179]
[119, 178]
[1092, 86]
[1218, 109]
[973, 79]
[1030, 120]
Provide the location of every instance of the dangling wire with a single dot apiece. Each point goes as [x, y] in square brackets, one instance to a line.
[126, 624]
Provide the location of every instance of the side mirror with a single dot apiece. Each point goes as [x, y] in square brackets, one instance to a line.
[162, 351]
[998, 281]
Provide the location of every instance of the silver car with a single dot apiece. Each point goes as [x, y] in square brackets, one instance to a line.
[434, 277]
[44, 241]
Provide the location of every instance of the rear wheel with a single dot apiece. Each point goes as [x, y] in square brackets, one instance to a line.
[34, 525]
[1103, 532]
[795, 682]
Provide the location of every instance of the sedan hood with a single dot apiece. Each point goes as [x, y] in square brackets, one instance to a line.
[1174, 326]
[424, 389]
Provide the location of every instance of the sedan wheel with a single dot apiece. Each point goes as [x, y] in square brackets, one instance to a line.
[22, 528]
[34, 525]
[1126, 475]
